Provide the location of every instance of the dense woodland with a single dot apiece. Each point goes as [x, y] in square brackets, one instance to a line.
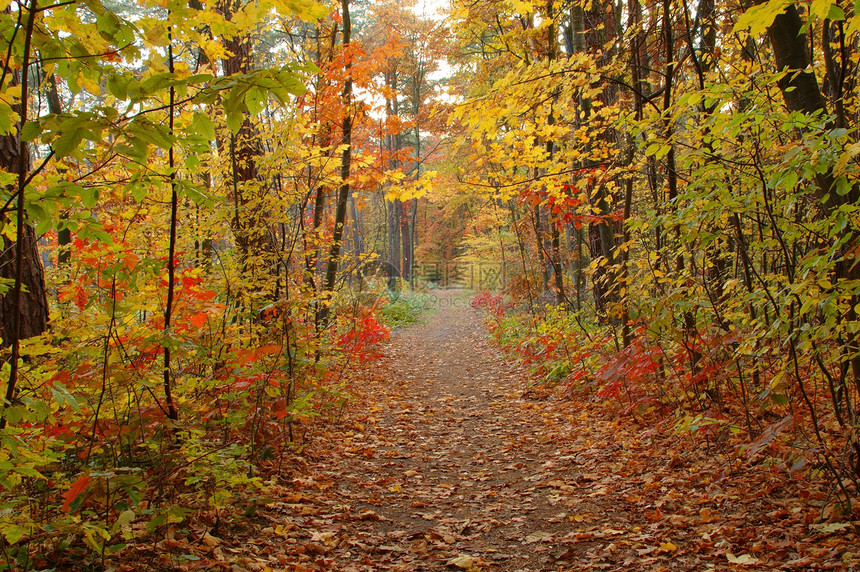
[214, 212]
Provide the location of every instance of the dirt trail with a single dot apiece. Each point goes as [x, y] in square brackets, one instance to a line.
[457, 469]
[444, 462]
[448, 467]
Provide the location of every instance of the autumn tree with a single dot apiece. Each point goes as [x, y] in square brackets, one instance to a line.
[658, 129]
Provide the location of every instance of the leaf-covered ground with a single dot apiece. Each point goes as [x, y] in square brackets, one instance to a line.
[445, 460]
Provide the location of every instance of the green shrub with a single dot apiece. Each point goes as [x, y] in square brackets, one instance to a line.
[402, 309]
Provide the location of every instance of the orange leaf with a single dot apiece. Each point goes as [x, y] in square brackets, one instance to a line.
[199, 319]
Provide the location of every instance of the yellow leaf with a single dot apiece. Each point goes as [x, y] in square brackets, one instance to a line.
[667, 547]
[759, 17]
[464, 562]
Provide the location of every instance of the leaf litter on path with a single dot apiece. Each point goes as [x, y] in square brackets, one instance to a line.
[444, 462]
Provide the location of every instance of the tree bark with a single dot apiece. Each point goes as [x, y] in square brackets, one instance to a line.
[24, 308]
[34, 298]
[33, 307]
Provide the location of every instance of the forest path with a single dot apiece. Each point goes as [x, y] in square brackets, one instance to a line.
[446, 464]
[444, 461]
[460, 470]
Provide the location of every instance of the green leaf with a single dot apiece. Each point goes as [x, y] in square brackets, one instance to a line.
[13, 533]
[150, 133]
[138, 191]
[117, 86]
[97, 8]
[203, 126]
[836, 13]
[192, 162]
[90, 540]
[235, 120]
[664, 150]
[114, 548]
[37, 212]
[157, 83]
[31, 130]
[67, 142]
[255, 99]
[194, 193]
[8, 118]
[790, 180]
[14, 414]
[108, 25]
[199, 78]
[176, 514]
[62, 396]
[89, 196]
[29, 472]
[822, 9]
[157, 520]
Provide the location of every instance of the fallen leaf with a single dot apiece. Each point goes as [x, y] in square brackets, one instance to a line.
[742, 559]
[539, 536]
[324, 537]
[211, 541]
[708, 515]
[832, 527]
[465, 562]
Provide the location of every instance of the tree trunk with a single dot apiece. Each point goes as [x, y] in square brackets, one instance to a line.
[393, 221]
[590, 30]
[250, 228]
[801, 93]
[406, 245]
[357, 236]
[24, 308]
[543, 259]
[64, 235]
[33, 309]
[34, 299]
[345, 165]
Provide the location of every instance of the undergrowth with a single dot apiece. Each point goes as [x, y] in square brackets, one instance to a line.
[403, 308]
[744, 410]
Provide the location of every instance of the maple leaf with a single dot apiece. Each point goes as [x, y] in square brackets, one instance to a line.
[199, 319]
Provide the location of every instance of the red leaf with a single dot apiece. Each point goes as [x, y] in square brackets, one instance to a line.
[80, 298]
[78, 488]
[191, 280]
